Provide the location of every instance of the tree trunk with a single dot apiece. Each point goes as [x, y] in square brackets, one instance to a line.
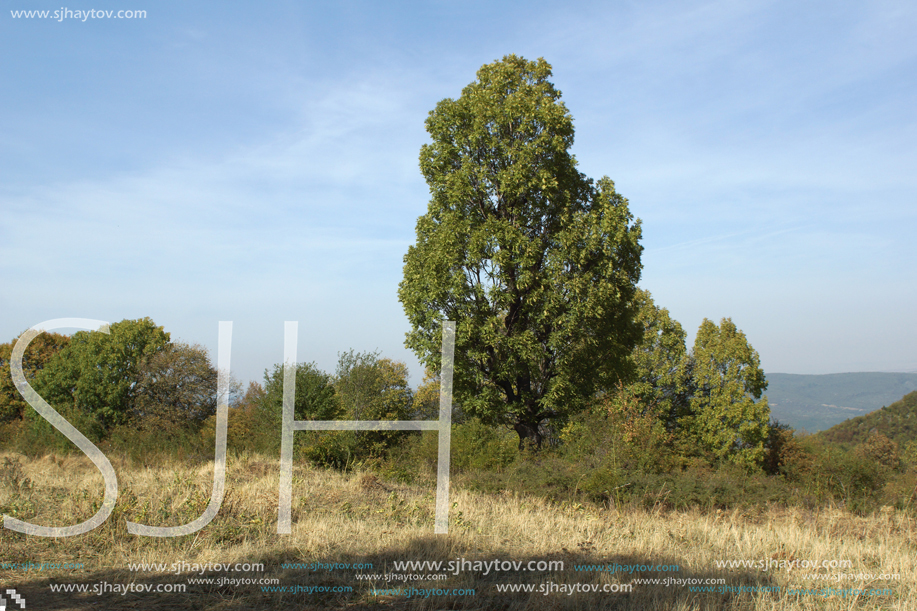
[528, 431]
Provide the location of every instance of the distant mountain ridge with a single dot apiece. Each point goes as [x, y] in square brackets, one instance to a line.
[818, 402]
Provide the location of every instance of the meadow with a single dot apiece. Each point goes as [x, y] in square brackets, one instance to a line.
[362, 518]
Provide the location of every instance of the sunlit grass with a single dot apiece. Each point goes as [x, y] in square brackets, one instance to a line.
[358, 517]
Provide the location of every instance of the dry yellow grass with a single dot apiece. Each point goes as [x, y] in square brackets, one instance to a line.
[358, 518]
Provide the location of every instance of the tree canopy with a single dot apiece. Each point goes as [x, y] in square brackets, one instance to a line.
[728, 415]
[175, 385]
[662, 369]
[97, 376]
[537, 263]
[709, 399]
[314, 398]
[373, 388]
[39, 352]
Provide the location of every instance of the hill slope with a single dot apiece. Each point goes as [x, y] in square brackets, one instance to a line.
[898, 422]
[818, 402]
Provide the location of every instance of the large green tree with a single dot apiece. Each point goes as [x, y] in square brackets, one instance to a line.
[537, 263]
[97, 377]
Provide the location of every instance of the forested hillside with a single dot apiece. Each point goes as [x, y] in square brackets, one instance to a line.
[817, 402]
[898, 422]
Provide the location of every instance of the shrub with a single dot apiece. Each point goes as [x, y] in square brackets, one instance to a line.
[883, 451]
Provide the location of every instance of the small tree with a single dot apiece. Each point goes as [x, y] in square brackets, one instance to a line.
[176, 386]
[373, 388]
[728, 416]
[40, 351]
[314, 399]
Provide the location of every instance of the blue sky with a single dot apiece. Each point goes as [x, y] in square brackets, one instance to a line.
[255, 163]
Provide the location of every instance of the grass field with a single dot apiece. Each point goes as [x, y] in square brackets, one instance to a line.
[360, 519]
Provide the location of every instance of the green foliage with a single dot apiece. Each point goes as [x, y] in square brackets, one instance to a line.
[255, 420]
[710, 400]
[820, 472]
[850, 477]
[364, 387]
[132, 388]
[728, 416]
[38, 436]
[96, 378]
[176, 400]
[780, 448]
[536, 262]
[617, 437]
[40, 351]
[478, 447]
[314, 399]
[373, 388]
[662, 373]
[617, 452]
[619, 433]
[704, 486]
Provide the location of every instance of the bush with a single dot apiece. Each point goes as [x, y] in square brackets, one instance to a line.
[882, 451]
[478, 447]
[180, 441]
[37, 436]
[826, 472]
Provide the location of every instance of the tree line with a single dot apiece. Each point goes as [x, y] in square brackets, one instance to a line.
[537, 263]
[136, 385]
